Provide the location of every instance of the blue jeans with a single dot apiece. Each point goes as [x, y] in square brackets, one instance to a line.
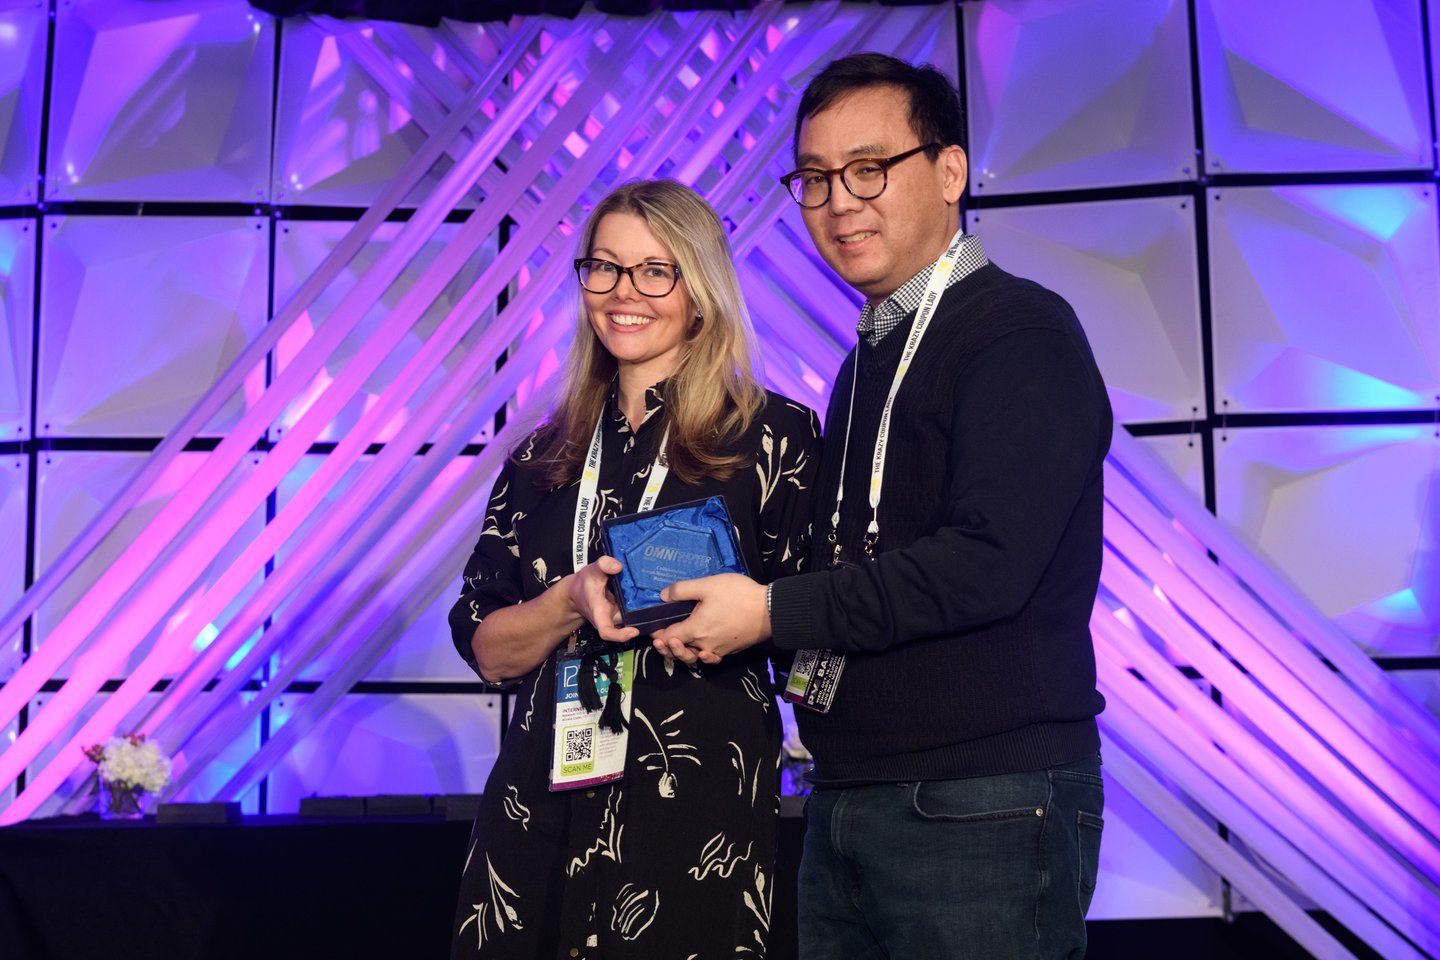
[994, 868]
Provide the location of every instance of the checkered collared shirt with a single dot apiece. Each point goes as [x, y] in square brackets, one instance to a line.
[877, 320]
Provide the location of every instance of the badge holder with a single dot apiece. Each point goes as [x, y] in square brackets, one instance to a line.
[814, 677]
[584, 753]
[815, 674]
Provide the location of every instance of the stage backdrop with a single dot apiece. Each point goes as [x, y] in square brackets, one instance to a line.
[271, 288]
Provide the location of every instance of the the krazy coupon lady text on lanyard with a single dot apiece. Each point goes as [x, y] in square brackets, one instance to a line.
[816, 673]
[585, 751]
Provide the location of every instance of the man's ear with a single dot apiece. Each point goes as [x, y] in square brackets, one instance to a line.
[956, 167]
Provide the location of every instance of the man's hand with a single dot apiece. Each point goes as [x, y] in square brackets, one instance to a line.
[588, 592]
[730, 617]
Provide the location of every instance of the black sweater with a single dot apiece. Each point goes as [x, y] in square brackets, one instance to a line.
[967, 638]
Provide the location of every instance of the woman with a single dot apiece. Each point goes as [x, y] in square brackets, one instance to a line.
[675, 858]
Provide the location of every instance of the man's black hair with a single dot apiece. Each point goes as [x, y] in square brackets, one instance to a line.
[935, 112]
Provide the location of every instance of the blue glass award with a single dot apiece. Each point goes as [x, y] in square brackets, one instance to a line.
[664, 546]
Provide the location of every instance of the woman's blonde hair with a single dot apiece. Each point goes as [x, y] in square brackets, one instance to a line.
[712, 397]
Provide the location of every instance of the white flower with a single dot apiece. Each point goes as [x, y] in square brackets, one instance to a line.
[131, 762]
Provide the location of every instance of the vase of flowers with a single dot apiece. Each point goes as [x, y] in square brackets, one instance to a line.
[128, 768]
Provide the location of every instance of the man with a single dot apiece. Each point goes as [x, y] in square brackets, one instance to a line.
[957, 802]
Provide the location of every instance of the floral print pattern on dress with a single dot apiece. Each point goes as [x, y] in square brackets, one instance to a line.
[604, 870]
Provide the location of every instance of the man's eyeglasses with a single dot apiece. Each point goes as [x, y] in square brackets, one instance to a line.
[653, 278]
[865, 178]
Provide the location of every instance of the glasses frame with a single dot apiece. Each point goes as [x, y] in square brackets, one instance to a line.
[629, 272]
[885, 163]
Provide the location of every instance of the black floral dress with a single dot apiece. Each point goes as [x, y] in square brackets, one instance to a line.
[675, 859]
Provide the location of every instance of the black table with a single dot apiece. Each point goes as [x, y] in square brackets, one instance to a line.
[75, 888]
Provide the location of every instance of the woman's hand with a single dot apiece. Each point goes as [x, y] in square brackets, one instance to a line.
[588, 591]
[514, 640]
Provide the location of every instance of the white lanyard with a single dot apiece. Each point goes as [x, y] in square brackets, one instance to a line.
[590, 483]
[939, 280]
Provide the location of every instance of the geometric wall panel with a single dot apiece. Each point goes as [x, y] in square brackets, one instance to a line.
[141, 315]
[161, 101]
[17, 326]
[73, 487]
[423, 651]
[1306, 721]
[1344, 90]
[1325, 297]
[14, 503]
[23, 31]
[1423, 687]
[386, 743]
[1352, 516]
[1434, 26]
[1128, 267]
[340, 135]
[1078, 94]
[1184, 454]
[1145, 870]
[225, 764]
[300, 248]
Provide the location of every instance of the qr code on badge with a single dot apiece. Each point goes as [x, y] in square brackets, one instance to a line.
[579, 745]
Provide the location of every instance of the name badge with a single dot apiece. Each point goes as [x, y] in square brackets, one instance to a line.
[815, 674]
[584, 753]
[814, 678]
